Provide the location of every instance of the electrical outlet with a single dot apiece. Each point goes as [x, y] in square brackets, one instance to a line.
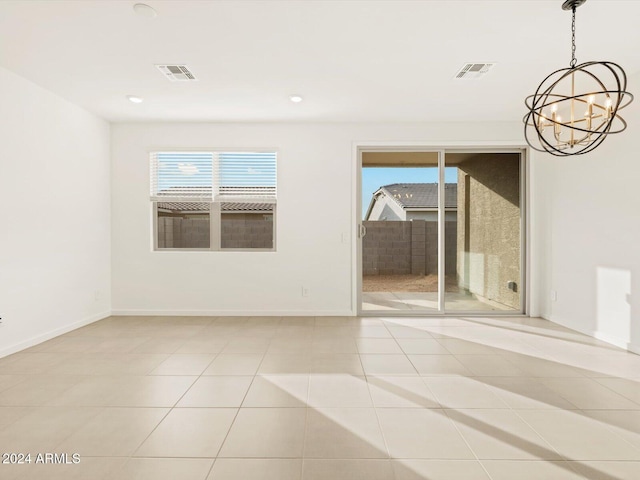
[554, 296]
[97, 296]
[305, 291]
[345, 238]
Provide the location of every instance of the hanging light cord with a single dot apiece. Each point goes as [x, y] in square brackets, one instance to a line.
[573, 39]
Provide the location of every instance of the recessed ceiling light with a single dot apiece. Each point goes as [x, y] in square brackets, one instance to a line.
[144, 10]
[295, 98]
[134, 99]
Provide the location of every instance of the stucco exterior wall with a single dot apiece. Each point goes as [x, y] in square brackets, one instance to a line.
[488, 238]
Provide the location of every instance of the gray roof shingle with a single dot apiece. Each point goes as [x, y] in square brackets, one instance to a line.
[422, 195]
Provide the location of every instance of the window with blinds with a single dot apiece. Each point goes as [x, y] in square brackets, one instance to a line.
[214, 200]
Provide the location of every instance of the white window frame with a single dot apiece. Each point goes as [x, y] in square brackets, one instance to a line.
[214, 201]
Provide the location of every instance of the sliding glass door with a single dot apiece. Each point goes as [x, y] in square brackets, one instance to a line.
[440, 231]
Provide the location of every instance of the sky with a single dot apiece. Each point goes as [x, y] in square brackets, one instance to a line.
[375, 177]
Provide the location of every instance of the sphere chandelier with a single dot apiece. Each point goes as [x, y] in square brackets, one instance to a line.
[574, 109]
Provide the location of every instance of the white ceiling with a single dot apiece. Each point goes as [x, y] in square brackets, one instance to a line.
[350, 60]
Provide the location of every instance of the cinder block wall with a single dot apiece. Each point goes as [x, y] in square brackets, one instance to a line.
[178, 232]
[406, 247]
[238, 230]
[246, 230]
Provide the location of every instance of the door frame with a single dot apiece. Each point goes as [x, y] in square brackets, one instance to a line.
[441, 149]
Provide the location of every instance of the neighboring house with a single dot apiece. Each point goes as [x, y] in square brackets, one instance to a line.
[412, 201]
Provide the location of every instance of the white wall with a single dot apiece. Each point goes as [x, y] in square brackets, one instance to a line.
[316, 207]
[589, 211]
[54, 215]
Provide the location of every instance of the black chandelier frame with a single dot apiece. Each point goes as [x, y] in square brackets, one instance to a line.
[545, 97]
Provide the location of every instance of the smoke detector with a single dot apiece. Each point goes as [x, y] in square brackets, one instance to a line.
[474, 70]
[177, 73]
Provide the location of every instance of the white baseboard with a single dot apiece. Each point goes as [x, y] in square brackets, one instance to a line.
[30, 342]
[616, 342]
[235, 313]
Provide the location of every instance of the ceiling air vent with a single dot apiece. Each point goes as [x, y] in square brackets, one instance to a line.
[177, 73]
[474, 70]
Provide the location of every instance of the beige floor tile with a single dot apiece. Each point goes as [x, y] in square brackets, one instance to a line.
[526, 392]
[256, 469]
[401, 331]
[266, 433]
[317, 469]
[467, 347]
[118, 345]
[625, 423]
[43, 428]
[14, 471]
[588, 394]
[421, 346]
[108, 364]
[489, 366]
[625, 387]
[411, 469]
[278, 364]
[38, 390]
[8, 415]
[542, 367]
[422, 433]
[161, 345]
[8, 381]
[184, 364]
[607, 470]
[338, 391]
[333, 331]
[438, 365]
[165, 469]
[126, 391]
[387, 365]
[290, 345]
[94, 468]
[463, 392]
[621, 365]
[501, 435]
[334, 321]
[278, 391]
[378, 345]
[531, 470]
[247, 345]
[511, 388]
[337, 363]
[189, 432]
[203, 345]
[113, 432]
[343, 433]
[30, 363]
[372, 331]
[401, 392]
[577, 437]
[217, 391]
[334, 345]
[68, 345]
[234, 364]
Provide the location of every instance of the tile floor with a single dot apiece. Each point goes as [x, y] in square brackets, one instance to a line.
[426, 302]
[280, 398]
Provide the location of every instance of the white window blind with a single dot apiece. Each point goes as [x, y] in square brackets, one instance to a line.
[245, 175]
[181, 174]
[237, 176]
